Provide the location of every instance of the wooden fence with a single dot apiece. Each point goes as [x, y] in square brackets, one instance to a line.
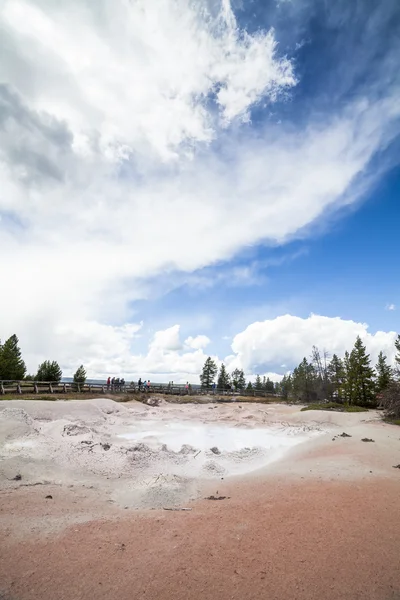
[55, 387]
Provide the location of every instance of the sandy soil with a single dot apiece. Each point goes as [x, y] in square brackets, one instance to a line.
[317, 518]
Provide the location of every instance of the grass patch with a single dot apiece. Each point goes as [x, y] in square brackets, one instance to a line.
[334, 406]
[392, 421]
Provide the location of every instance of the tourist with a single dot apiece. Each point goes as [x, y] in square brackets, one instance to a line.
[139, 383]
[108, 383]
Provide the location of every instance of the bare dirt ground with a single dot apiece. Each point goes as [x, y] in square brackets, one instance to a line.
[314, 519]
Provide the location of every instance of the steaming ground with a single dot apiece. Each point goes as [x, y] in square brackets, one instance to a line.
[142, 456]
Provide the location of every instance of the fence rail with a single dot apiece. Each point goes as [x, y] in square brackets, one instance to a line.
[55, 387]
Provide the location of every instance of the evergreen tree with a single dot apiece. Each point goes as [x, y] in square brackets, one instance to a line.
[336, 377]
[238, 379]
[304, 382]
[384, 373]
[348, 387]
[397, 356]
[80, 375]
[284, 387]
[269, 386]
[208, 373]
[49, 371]
[223, 379]
[249, 387]
[12, 367]
[360, 386]
[258, 386]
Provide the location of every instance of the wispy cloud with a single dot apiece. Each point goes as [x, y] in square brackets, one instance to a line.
[390, 307]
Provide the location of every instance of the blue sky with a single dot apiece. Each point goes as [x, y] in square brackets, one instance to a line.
[347, 268]
[208, 177]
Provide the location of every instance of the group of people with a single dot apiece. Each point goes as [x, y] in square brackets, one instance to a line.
[115, 383]
[143, 385]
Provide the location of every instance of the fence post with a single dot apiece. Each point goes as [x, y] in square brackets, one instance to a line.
[1, 388]
[35, 388]
[103, 389]
[19, 388]
[79, 387]
[64, 388]
[50, 388]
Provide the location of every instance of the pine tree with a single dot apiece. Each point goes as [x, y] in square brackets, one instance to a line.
[384, 373]
[208, 373]
[269, 386]
[397, 356]
[347, 390]
[238, 379]
[359, 376]
[284, 387]
[336, 377]
[304, 382]
[49, 371]
[223, 379]
[249, 387]
[12, 367]
[258, 386]
[80, 375]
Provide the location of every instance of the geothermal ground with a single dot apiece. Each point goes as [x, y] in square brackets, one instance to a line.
[267, 502]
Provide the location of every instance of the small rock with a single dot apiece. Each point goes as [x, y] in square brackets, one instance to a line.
[105, 446]
[215, 450]
[49, 497]
[217, 498]
[396, 466]
[18, 477]
[367, 440]
[344, 435]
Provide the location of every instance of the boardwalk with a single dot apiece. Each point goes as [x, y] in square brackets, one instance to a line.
[44, 387]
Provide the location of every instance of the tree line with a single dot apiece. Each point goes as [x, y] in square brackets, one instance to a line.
[13, 368]
[235, 380]
[349, 380]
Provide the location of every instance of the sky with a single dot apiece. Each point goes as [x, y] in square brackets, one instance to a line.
[181, 179]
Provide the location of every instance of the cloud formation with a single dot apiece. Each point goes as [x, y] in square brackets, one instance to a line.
[287, 339]
[127, 151]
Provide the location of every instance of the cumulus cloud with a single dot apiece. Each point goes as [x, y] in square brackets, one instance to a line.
[198, 342]
[126, 142]
[167, 340]
[287, 339]
[271, 348]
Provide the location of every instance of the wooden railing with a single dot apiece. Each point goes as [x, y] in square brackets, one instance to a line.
[55, 387]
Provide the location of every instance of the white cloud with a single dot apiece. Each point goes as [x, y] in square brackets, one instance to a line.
[198, 342]
[390, 307]
[167, 340]
[287, 339]
[108, 168]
